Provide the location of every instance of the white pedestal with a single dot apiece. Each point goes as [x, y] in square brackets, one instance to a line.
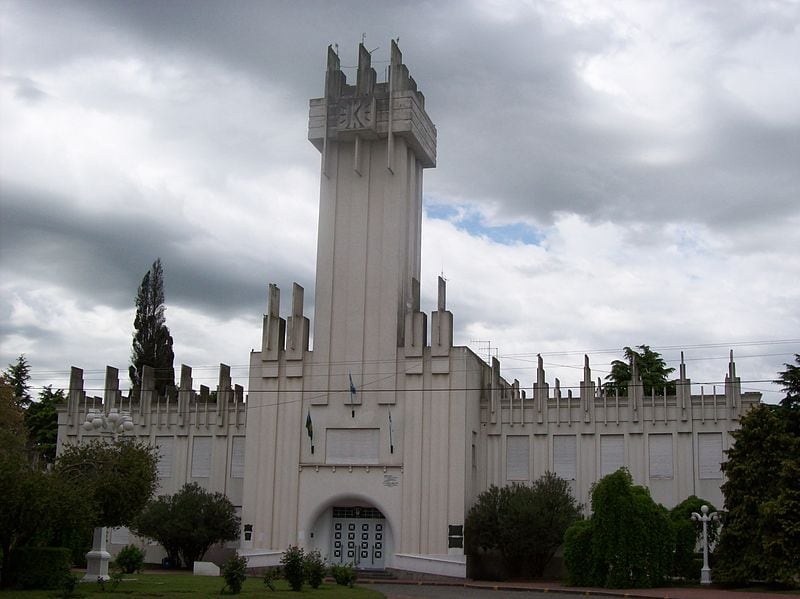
[97, 559]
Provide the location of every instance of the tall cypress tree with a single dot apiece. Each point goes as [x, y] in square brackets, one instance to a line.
[152, 342]
[18, 377]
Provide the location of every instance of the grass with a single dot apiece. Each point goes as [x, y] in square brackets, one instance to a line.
[186, 585]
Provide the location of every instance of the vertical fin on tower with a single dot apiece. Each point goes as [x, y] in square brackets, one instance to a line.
[224, 393]
[111, 389]
[334, 81]
[298, 326]
[365, 79]
[76, 395]
[587, 390]
[395, 68]
[146, 394]
[635, 387]
[184, 395]
[442, 324]
[541, 390]
[683, 391]
[274, 329]
[733, 388]
[416, 324]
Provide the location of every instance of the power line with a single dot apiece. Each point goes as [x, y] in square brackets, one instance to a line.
[528, 357]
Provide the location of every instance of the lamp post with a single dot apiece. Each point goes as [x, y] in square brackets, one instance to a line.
[705, 518]
[114, 423]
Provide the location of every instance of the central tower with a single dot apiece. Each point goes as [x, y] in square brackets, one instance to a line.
[375, 140]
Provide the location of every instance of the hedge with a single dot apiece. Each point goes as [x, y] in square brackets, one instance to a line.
[38, 567]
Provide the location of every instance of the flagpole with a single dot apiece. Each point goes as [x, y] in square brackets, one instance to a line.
[310, 429]
[391, 441]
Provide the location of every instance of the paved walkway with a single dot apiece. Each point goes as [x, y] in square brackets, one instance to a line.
[469, 589]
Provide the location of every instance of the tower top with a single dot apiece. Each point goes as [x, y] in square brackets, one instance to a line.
[370, 110]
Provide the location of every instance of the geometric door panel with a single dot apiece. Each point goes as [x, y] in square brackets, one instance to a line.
[358, 538]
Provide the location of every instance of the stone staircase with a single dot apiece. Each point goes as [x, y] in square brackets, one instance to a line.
[374, 575]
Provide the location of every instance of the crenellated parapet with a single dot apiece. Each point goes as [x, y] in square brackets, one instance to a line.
[370, 110]
[181, 410]
[594, 405]
[285, 338]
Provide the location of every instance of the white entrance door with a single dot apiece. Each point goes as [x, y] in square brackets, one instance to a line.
[358, 537]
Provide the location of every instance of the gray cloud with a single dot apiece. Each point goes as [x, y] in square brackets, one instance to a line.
[177, 129]
[103, 262]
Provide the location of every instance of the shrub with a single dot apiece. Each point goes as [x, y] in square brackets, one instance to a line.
[234, 571]
[189, 522]
[343, 574]
[114, 580]
[130, 559]
[270, 576]
[630, 536]
[577, 554]
[293, 561]
[314, 568]
[38, 567]
[524, 524]
[68, 586]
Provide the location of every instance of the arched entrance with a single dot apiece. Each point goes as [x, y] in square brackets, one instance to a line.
[351, 529]
[358, 537]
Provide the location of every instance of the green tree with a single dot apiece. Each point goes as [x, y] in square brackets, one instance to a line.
[12, 423]
[119, 477]
[152, 342]
[524, 524]
[789, 379]
[41, 420]
[760, 539]
[628, 541]
[652, 370]
[36, 507]
[18, 376]
[189, 522]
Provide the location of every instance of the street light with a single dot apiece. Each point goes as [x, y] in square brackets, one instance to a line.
[705, 518]
[114, 423]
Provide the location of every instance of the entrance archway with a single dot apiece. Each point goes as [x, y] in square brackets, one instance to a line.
[358, 537]
[352, 530]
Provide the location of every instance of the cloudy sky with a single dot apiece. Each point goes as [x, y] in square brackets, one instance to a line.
[609, 174]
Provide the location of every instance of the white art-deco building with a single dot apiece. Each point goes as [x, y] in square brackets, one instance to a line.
[373, 446]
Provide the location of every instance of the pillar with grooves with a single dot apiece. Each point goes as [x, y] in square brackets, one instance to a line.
[375, 140]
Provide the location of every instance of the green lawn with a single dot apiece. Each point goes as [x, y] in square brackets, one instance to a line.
[185, 585]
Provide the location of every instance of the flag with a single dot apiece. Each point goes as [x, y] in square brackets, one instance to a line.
[352, 385]
[391, 442]
[310, 429]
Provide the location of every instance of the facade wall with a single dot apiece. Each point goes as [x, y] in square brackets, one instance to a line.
[385, 413]
[672, 444]
[198, 440]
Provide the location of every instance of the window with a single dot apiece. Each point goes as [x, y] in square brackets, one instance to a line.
[201, 457]
[455, 536]
[709, 447]
[612, 453]
[166, 452]
[120, 536]
[352, 445]
[517, 457]
[237, 457]
[565, 456]
[660, 449]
